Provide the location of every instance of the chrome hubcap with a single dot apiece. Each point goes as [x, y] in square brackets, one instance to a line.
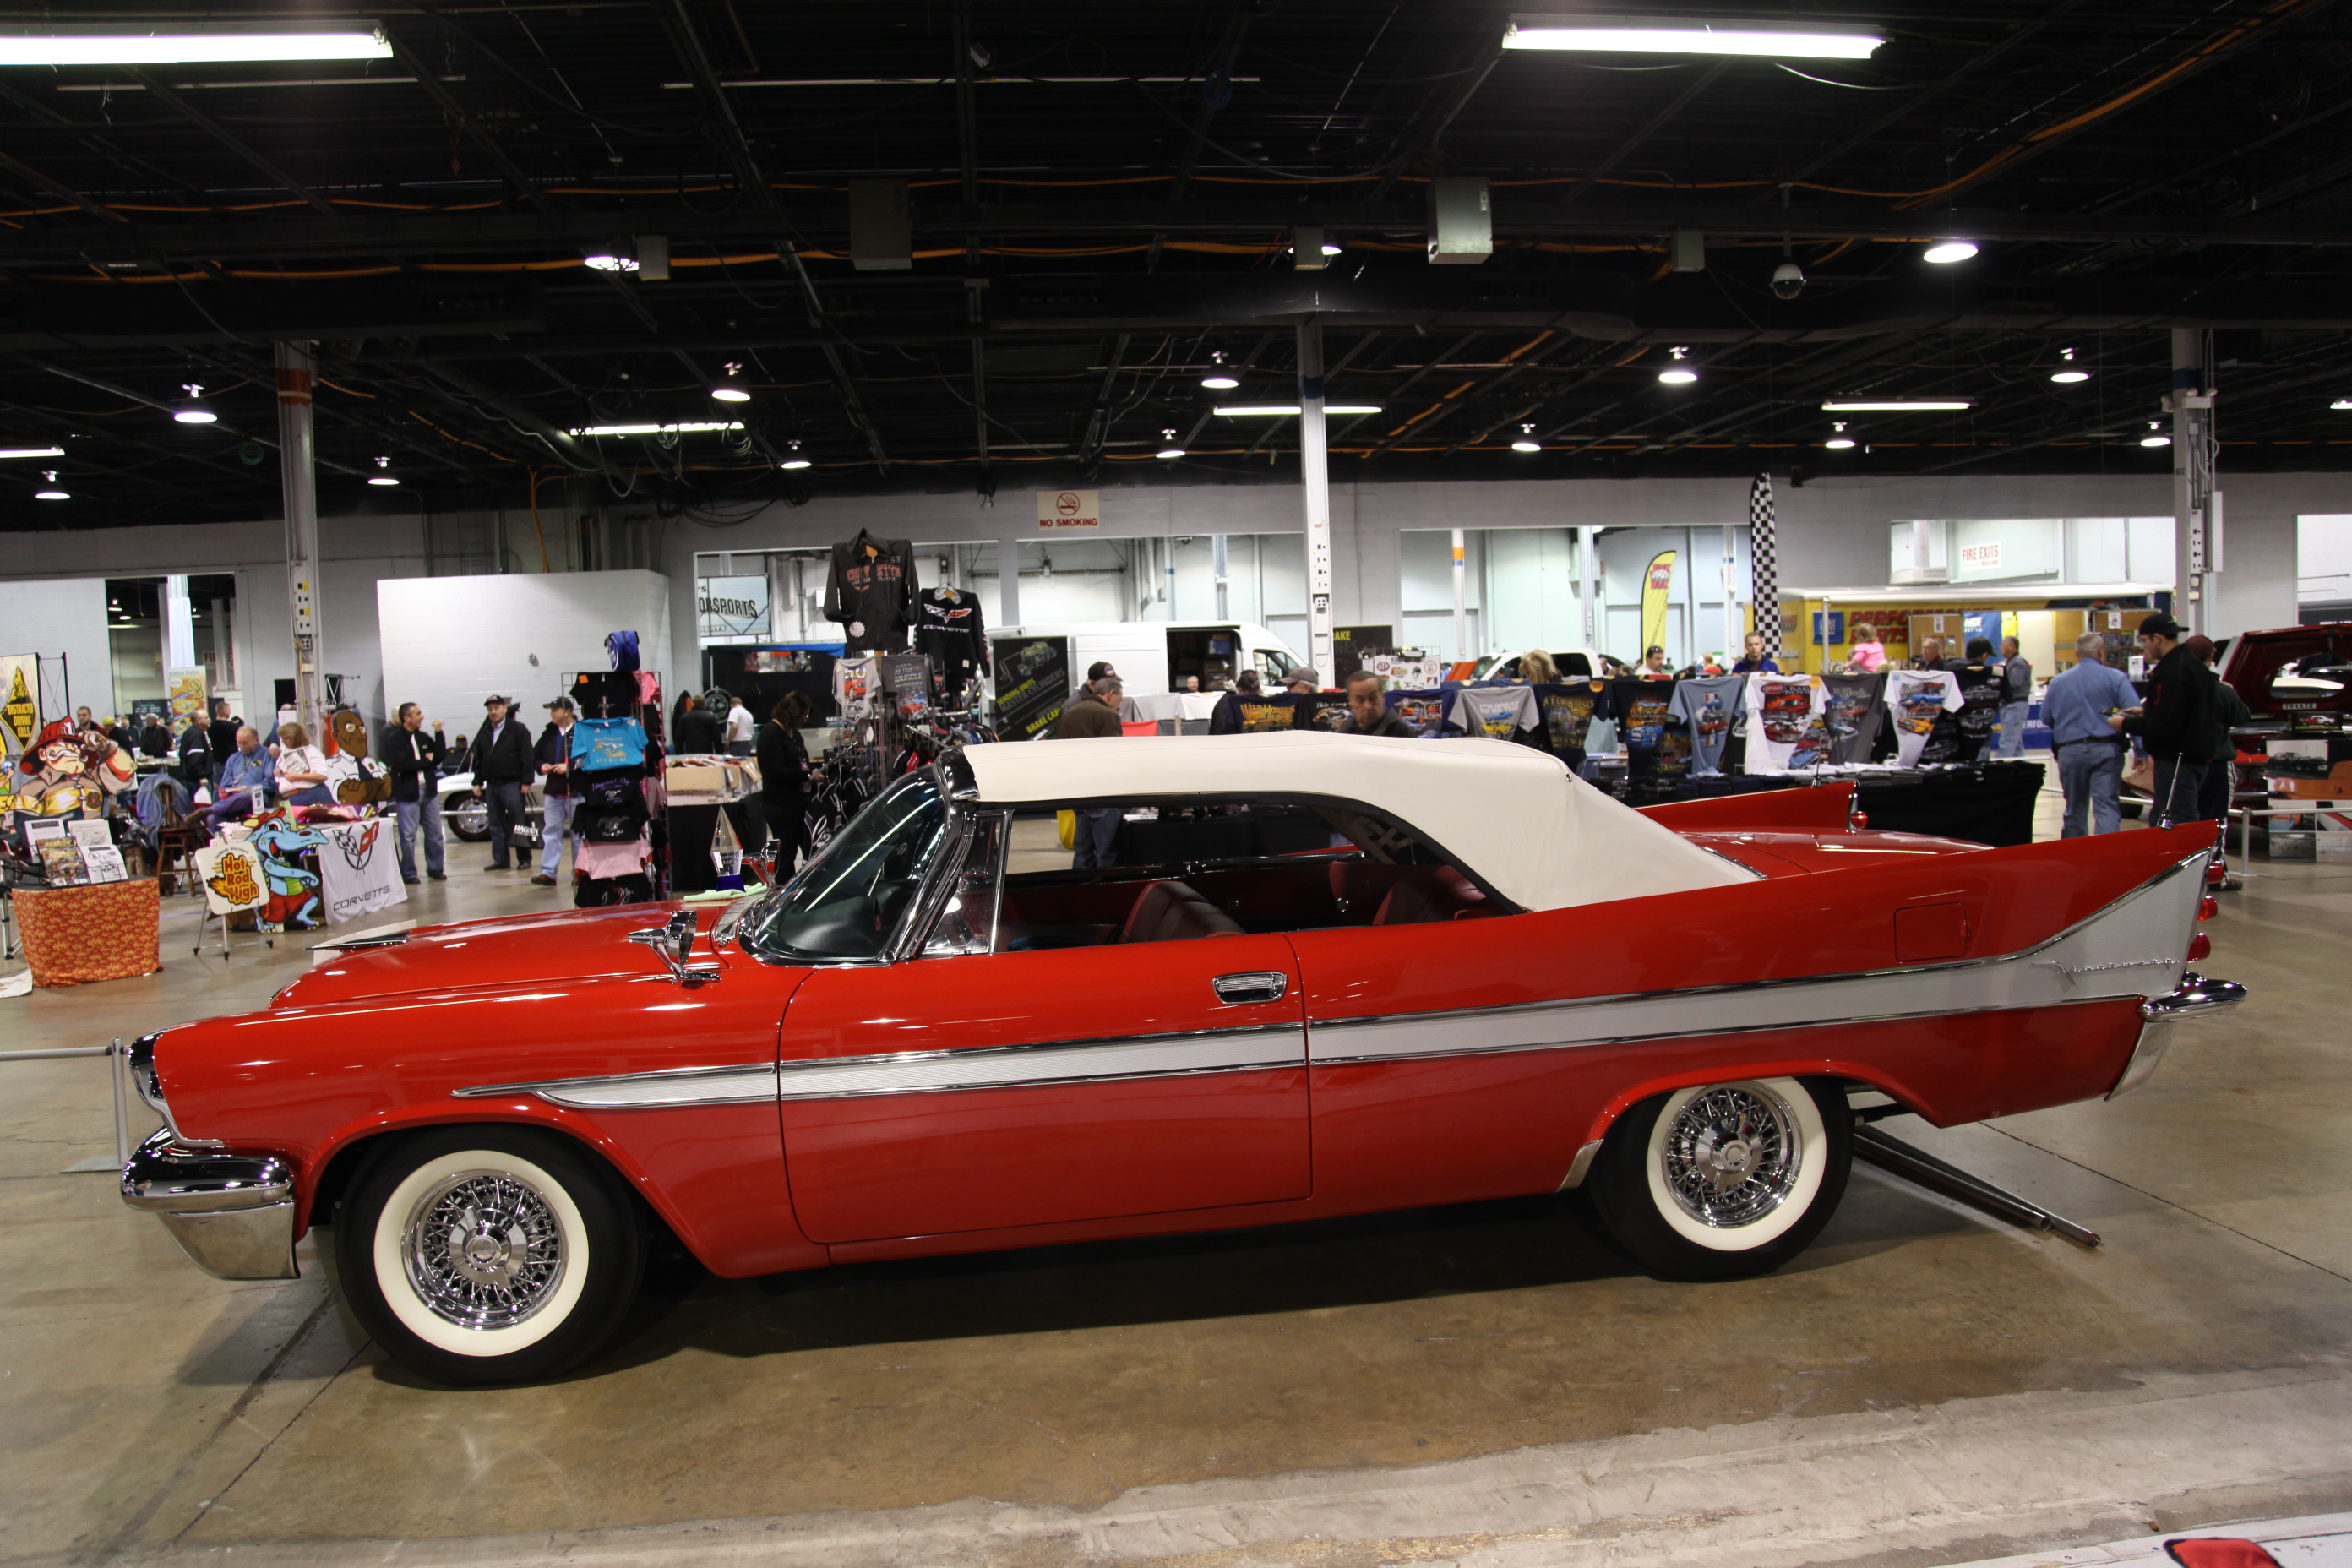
[1731, 1156]
[483, 1250]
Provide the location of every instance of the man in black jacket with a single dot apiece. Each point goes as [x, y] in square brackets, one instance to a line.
[413, 758]
[562, 791]
[2178, 720]
[502, 761]
[195, 764]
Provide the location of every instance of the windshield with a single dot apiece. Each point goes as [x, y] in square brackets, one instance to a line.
[848, 901]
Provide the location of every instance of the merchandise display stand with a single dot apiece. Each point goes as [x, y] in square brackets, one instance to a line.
[619, 694]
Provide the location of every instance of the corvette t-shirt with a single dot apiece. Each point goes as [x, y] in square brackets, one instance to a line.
[1854, 715]
[1644, 713]
[1708, 705]
[1505, 712]
[1787, 732]
[1971, 728]
[1917, 697]
[1568, 711]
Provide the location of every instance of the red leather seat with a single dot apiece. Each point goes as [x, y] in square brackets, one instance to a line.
[1432, 893]
[1173, 912]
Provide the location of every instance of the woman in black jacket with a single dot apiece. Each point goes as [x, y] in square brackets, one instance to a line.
[783, 779]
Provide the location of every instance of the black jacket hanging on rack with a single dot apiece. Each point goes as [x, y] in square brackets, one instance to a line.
[871, 586]
[947, 627]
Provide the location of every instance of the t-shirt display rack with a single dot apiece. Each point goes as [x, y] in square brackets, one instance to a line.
[598, 694]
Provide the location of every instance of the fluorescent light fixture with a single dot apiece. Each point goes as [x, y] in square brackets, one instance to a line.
[1896, 404]
[172, 44]
[1692, 36]
[1276, 410]
[32, 451]
[1677, 376]
[612, 263]
[1943, 253]
[2341, 402]
[686, 428]
[2069, 377]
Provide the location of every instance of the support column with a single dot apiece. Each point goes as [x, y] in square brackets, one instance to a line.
[1314, 477]
[1218, 578]
[1008, 583]
[2191, 403]
[1588, 578]
[179, 624]
[1461, 600]
[296, 458]
[1732, 641]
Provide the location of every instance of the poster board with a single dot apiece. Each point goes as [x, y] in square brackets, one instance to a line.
[1033, 684]
[20, 701]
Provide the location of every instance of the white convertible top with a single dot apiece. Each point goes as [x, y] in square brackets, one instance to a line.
[1512, 815]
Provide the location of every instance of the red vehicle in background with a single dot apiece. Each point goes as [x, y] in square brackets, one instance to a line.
[2294, 670]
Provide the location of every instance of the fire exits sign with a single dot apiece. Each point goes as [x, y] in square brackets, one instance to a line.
[1058, 511]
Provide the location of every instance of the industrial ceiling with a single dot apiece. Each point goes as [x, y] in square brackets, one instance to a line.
[1100, 206]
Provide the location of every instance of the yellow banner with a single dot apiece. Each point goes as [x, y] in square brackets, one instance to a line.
[1657, 579]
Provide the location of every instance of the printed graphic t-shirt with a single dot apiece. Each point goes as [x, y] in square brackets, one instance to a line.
[1971, 728]
[1501, 712]
[1644, 713]
[1854, 715]
[1787, 729]
[1917, 697]
[1568, 711]
[1708, 706]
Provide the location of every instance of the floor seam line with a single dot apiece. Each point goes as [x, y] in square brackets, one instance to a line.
[259, 1453]
[2168, 1203]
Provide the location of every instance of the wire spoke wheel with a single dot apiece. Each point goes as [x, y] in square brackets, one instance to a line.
[483, 1250]
[1731, 1156]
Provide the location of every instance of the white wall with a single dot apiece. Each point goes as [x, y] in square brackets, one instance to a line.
[63, 615]
[2323, 568]
[449, 642]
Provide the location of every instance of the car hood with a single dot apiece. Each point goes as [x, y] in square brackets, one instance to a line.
[574, 944]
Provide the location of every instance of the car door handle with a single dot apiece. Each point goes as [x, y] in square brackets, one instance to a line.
[1260, 985]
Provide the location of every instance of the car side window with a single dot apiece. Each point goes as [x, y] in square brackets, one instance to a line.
[1271, 666]
[968, 921]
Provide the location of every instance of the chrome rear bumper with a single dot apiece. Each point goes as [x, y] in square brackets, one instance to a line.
[231, 1215]
[2195, 998]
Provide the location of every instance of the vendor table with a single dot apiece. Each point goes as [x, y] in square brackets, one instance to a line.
[106, 931]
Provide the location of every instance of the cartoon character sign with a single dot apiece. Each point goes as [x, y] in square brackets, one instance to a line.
[359, 779]
[68, 772]
[294, 899]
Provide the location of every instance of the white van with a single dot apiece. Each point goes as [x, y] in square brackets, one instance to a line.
[1156, 656]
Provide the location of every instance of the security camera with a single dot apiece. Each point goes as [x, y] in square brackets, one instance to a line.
[1787, 281]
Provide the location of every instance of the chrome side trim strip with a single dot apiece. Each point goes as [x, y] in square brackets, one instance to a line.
[2121, 951]
[670, 1088]
[1581, 1166]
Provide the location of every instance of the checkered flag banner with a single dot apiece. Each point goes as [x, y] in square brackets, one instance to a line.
[1763, 558]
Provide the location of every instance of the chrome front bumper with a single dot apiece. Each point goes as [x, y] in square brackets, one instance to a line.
[2196, 997]
[232, 1214]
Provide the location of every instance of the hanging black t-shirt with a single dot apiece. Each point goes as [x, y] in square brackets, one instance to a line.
[1971, 728]
[1568, 711]
[947, 627]
[1644, 713]
[1854, 710]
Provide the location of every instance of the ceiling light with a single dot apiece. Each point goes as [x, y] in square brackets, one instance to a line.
[730, 388]
[2339, 404]
[1526, 441]
[172, 44]
[385, 477]
[1896, 404]
[603, 263]
[32, 451]
[685, 428]
[1331, 248]
[52, 493]
[193, 412]
[2155, 435]
[792, 459]
[1692, 36]
[2069, 377]
[1946, 251]
[1841, 442]
[1219, 379]
[1170, 449]
[1276, 410]
[1677, 373]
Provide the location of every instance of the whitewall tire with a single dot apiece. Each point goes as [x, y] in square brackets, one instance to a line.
[489, 1254]
[1724, 1180]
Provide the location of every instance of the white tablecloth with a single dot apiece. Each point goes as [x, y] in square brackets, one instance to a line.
[358, 869]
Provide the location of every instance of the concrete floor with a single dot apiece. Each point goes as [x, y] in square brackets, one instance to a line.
[1481, 1384]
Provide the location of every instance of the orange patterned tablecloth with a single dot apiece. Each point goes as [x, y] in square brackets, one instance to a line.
[104, 931]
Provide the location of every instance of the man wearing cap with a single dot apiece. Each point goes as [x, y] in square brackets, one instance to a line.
[1303, 682]
[502, 761]
[559, 791]
[1101, 670]
[2180, 721]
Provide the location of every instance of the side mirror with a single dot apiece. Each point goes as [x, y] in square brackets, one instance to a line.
[677, 939]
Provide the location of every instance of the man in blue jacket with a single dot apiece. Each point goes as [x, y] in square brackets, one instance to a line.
[2090, 753]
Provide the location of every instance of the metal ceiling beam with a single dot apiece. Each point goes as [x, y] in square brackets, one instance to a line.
[1632, 144]
[228, 139]
[1514, 217]
[40, 182]
[467, 121]
[562, 443]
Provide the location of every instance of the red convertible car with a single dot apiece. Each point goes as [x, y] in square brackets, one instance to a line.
[1327, 974]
